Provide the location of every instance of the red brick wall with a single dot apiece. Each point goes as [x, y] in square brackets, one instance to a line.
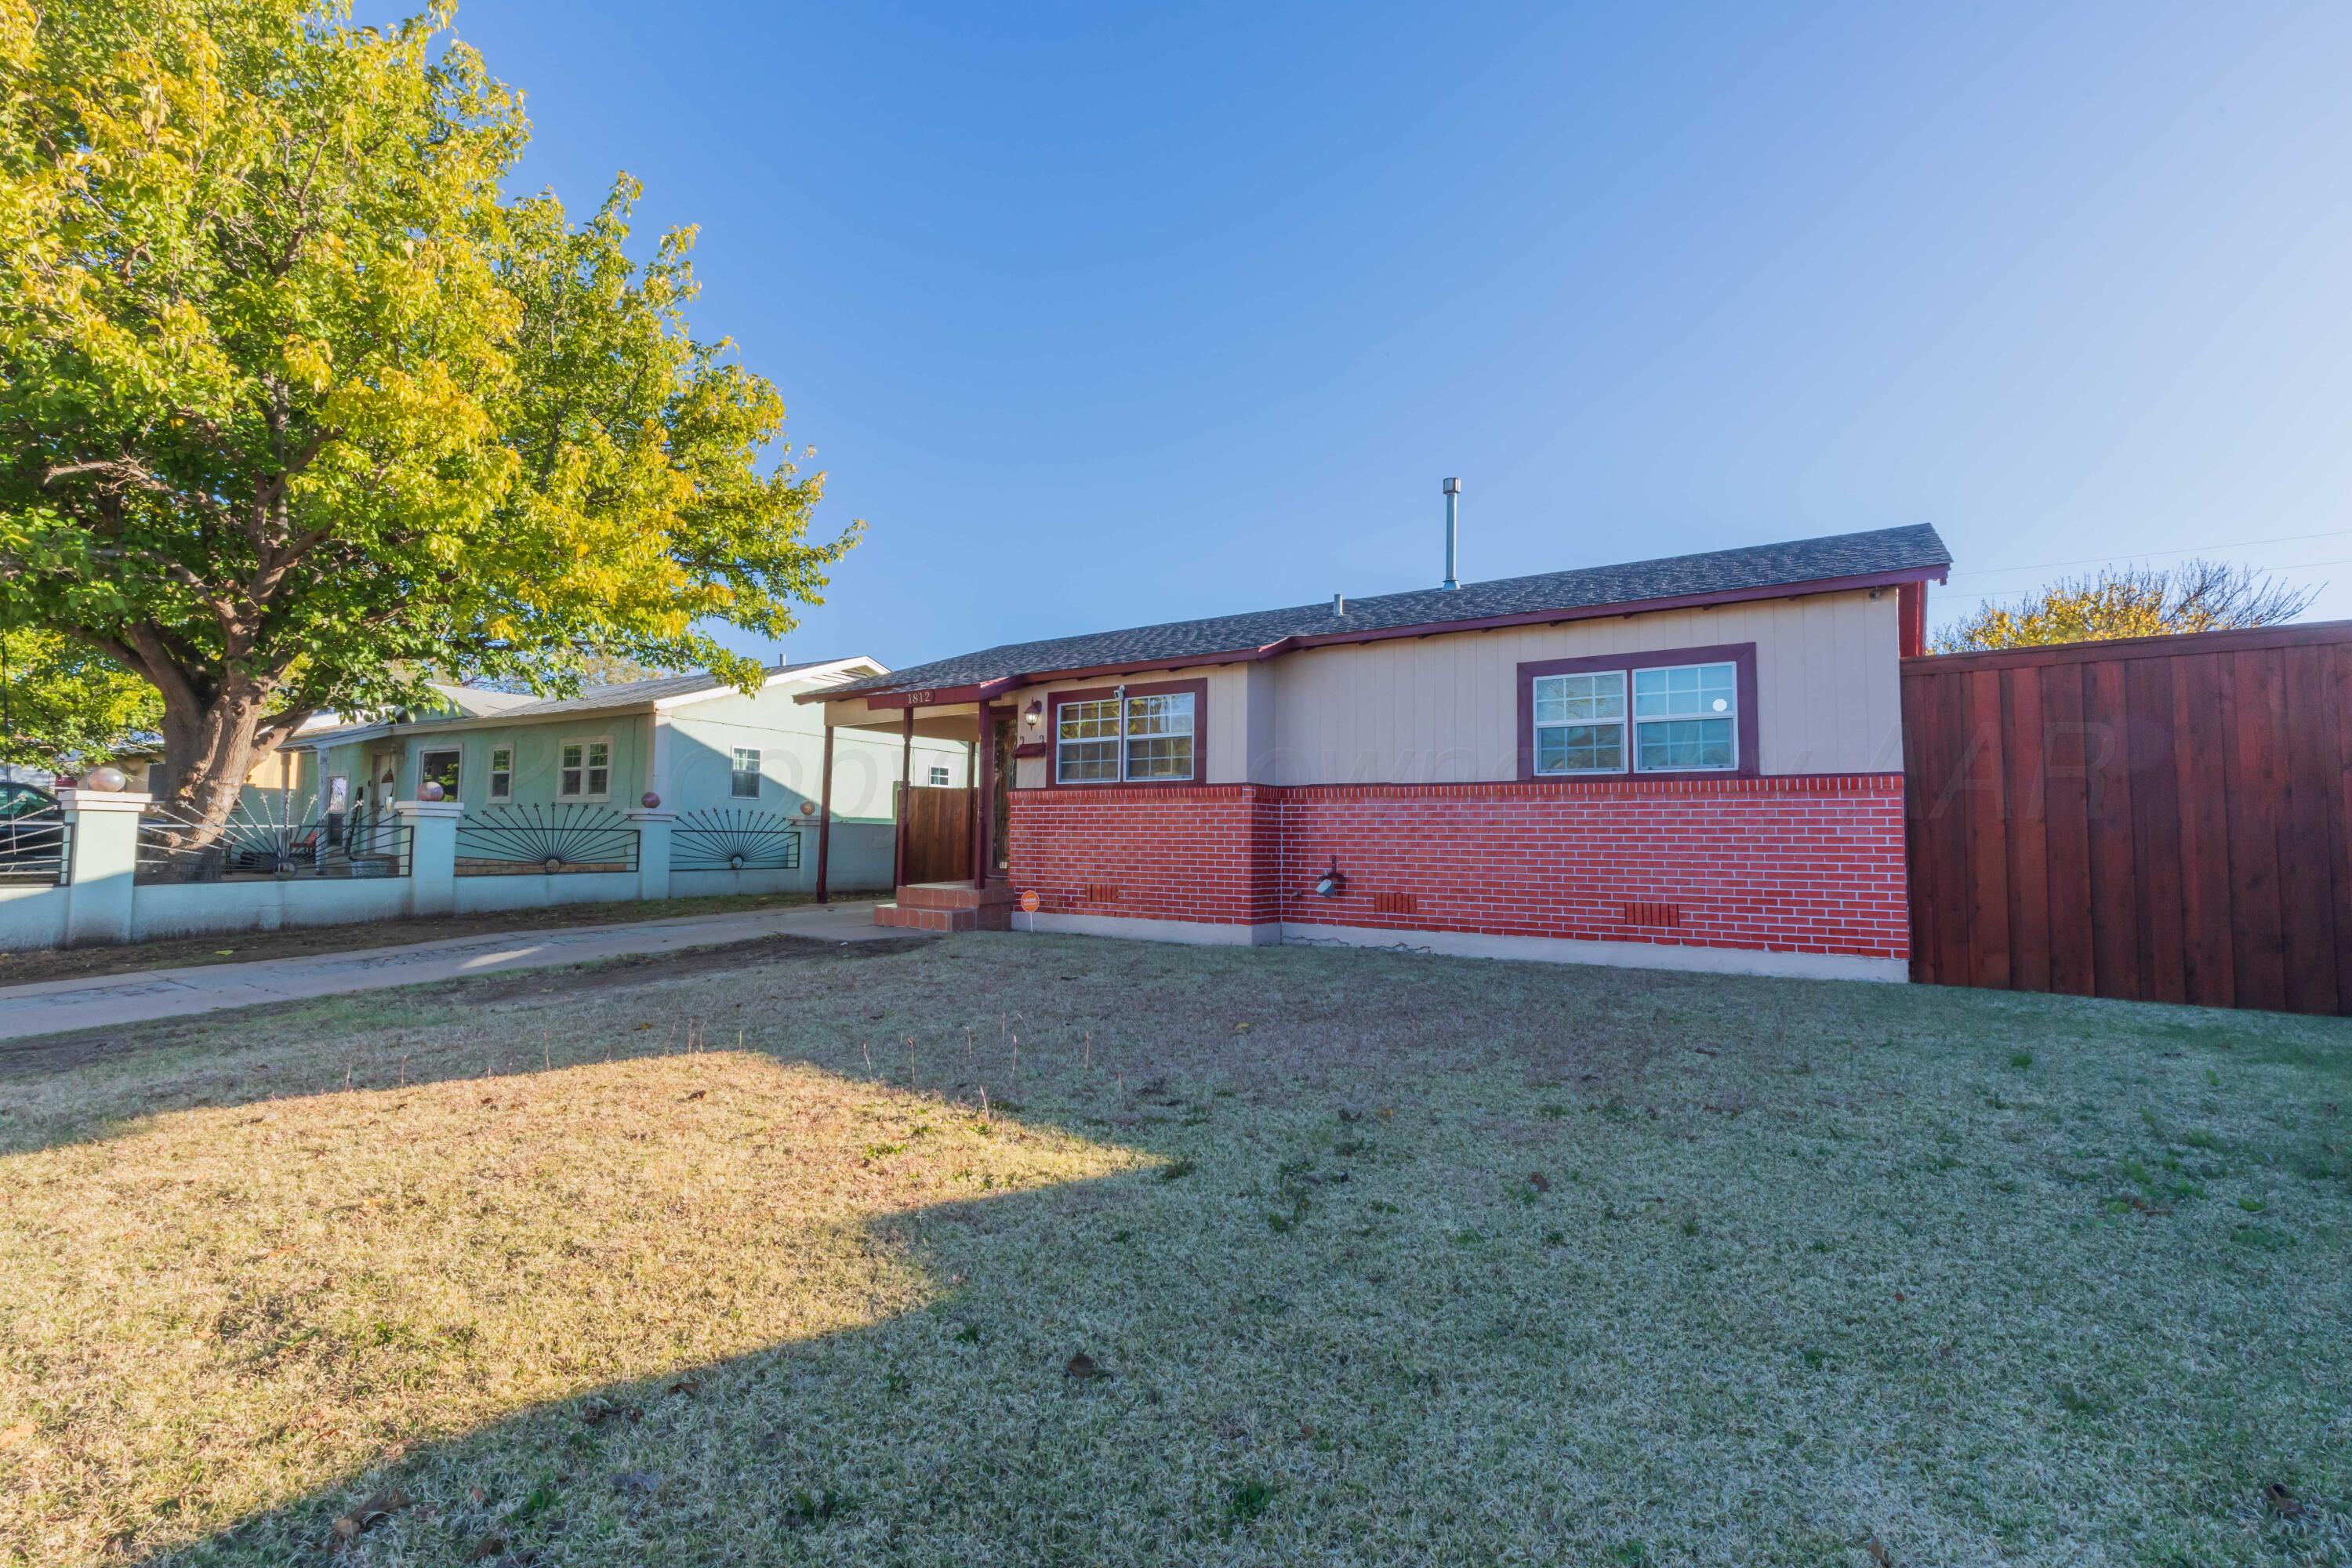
[1802, 864]
[1206, 852]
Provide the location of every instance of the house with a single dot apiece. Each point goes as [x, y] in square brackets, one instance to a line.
[557, 778]
[1694, 762]
[281, 787]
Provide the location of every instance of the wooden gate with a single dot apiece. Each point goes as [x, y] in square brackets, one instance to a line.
[937, 823]
[2166, 818]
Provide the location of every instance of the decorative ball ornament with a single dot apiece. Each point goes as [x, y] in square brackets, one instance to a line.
[106, 781]
[808, 808]
[649, 800]
[430, 790]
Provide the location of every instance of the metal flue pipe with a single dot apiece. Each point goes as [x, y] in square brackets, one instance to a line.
[1453, 518]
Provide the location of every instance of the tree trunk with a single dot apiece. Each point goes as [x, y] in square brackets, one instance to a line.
[209, 750]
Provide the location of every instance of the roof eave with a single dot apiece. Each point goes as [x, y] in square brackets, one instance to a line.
[941, 696]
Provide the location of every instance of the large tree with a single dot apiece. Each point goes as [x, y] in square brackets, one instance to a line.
[299, 409]
[2130, 601]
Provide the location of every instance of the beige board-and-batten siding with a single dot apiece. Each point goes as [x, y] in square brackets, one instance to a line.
[1445, 708]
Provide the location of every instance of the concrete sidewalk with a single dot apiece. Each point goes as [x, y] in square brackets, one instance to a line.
[112, 1000]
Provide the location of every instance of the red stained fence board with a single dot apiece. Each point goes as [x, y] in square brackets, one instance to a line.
[2164, 819]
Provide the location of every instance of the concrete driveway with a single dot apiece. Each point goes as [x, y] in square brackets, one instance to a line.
[112, 1000]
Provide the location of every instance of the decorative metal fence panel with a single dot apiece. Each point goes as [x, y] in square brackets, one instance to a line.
[176, 847]
[34, 850]
[728, 838]
[535, 840]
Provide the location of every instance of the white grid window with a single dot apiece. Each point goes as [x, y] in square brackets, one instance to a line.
[939, 776]
[1147, 740]
[1687, 719]
[585, 770]
[1580, 723]
[743, 779]
[501, 772]
[1160, 736]
[1086, 742]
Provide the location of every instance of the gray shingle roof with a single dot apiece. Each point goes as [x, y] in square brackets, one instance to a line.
[635, 693]
[1916, 548]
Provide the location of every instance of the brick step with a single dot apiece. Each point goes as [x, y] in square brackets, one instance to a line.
[904, 919]
[997, 917]
[954, 896]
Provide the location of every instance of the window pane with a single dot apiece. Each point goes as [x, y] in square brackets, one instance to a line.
[570, 783]
[598, 780]
[1685, 690]
[1168, 715]
[599, 753]
[1576, 699]
[1088, 722]
[1581, 749]
[571, 754]
[1160, 757]
[1683, 744]
[1087, 762]
[744, 782]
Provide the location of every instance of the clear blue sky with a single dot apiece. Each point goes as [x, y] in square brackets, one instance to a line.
[1107, 315]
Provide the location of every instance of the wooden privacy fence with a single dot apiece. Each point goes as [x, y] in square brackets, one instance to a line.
[2166, 818]
[938, 825]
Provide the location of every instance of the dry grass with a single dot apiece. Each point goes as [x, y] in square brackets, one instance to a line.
[1379, 1258]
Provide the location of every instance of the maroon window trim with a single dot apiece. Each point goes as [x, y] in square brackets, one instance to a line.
[1740, 655]
[1199, 691]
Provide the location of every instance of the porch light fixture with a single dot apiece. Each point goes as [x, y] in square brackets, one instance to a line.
[1331, 883]
[1035, 714]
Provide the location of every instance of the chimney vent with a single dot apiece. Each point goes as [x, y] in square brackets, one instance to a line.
[1338, 603]
[1453, 516]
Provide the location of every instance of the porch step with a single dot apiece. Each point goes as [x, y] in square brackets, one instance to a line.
[954, 896]
[904, 919]
[995, 915]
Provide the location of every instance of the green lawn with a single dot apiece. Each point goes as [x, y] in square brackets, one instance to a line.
[1269, 1256]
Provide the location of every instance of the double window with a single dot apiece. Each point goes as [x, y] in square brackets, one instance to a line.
[1135, 737]
[743, 779]
[1635, 717]
[584, 769]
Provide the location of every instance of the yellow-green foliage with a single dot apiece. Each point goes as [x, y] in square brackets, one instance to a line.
[2130, 601]
[65, 703]
[297, 407]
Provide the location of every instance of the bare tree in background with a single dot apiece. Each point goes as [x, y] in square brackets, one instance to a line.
[2132, 602]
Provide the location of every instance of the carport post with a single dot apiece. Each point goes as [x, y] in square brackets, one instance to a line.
[824, 815]
[906, 778]
[984, 794]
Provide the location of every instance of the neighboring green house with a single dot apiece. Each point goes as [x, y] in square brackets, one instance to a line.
[739, 771]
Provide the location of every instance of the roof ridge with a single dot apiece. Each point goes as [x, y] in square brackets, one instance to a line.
[1739, 571]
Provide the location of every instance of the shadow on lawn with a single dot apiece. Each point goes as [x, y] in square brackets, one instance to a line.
[1358, 1311]
[822, 1447]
